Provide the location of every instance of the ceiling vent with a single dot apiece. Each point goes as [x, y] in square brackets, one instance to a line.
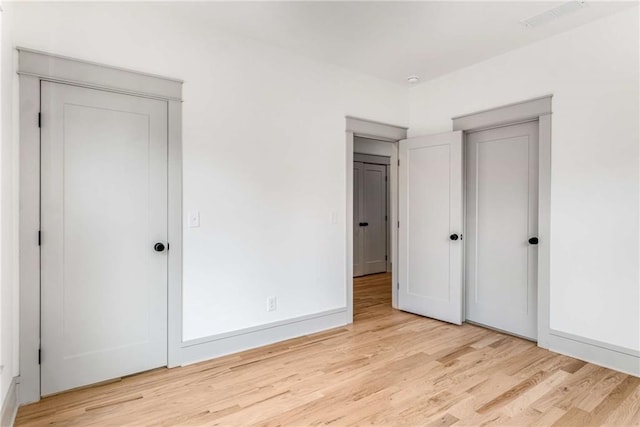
[553, 13]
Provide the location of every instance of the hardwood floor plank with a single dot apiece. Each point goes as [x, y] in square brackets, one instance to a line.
[388, 368]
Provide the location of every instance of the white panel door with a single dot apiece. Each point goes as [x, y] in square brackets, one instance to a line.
[502, 215]
[373, 214]
[430, 249]
[103, 207]
[358, 232]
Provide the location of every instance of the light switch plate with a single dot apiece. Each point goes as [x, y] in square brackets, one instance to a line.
[194, 219]
[334, 217]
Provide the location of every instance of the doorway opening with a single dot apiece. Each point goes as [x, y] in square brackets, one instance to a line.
[372, 170]
[371, 224]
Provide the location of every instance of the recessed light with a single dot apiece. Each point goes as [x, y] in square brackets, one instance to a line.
[413, 79]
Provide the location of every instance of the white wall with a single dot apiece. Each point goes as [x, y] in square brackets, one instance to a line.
[8, 213]
[592, 72]
[252, 114]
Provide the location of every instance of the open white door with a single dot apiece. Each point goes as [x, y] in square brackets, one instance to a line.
[430, 215]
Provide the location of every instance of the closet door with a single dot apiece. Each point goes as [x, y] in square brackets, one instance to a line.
[502, 228]
[104, 236]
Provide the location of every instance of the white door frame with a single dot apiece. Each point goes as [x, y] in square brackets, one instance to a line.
[382, 132]
[540, 109]
[35, 66]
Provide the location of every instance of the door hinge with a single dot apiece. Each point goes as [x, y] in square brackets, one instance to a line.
[398, 285]
[398, 224]
[385, 218]
[39, 356]
[386, 178]
[39, 120]
[39, 237]
[386, 258]
[398, 162]
[167, 246]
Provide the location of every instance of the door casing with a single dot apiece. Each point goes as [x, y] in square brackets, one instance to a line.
[34, 67]
[534, 109]
[382, 132]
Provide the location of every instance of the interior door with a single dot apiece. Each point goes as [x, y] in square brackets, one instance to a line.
[103, 209]
[430, 213]
[502, 217]
[373, 215]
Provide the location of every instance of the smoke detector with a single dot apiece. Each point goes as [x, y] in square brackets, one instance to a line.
[553, 13]
[413, 79]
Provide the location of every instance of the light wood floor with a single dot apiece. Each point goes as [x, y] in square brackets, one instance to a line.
[388, 368]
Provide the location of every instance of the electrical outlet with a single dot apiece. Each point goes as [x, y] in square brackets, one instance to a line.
[271, 304]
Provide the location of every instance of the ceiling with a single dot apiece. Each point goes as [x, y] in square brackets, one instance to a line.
[396, 39]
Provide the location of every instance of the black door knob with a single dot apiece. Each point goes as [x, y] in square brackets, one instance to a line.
[454, 237]
[364, 224]
[158, 247]
[533, 240]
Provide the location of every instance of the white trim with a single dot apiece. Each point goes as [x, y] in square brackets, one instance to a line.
[544, 228]
[375, 130]
[200, 349]
[261, 327]
[383, 132]
[10, 405]
[372, 158]
[394, 194]
[596, 343]
[596, 352]
[58, 68]
[174, 218]
[349, 225]
[29, 251]
[35, 66]
[506, 114]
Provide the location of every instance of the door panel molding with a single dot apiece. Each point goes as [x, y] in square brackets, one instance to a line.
[34, 67]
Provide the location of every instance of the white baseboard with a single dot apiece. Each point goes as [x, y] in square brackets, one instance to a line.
[9, 406]
[596, 352]
[201, 349]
